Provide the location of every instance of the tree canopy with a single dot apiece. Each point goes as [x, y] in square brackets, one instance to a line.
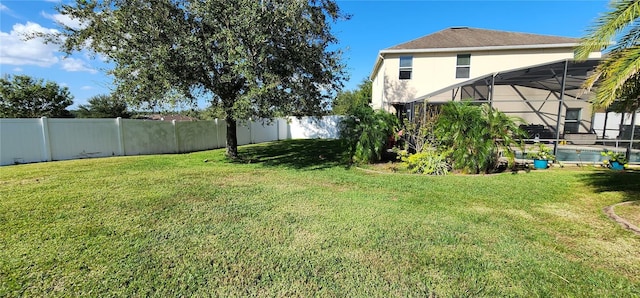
[617, 76]
[253, 58]
[348, 101]
[25, 97]
[103, 106]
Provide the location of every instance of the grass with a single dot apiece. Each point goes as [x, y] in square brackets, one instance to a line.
[292, 221]
[630, 212]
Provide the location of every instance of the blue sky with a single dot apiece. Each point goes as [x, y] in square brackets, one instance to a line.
[374, 25]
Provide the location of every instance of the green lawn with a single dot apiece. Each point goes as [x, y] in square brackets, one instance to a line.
[292, 221]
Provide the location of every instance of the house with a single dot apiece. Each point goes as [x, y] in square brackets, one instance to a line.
[526, 75]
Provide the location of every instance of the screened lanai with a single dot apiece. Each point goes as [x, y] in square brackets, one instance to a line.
[549, 98]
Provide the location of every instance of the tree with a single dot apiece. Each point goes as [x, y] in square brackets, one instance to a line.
[347, 102]
[103, 106]
[253, 58]
[617, 75]
[25, 97]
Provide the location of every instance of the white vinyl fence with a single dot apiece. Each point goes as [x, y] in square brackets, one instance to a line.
[617, 127]
[44, 139]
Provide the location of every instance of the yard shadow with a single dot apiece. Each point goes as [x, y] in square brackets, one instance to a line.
[627, 182]
[311, 154]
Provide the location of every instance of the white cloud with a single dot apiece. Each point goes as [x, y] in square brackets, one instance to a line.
[18, 69]
[3, 7]
[64, 20]
[86, 88]
[15, 50]
[72, 64]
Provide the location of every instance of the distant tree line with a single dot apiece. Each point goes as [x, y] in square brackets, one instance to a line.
[26, 97]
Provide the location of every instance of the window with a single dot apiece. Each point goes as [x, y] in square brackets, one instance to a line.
[572, 121]
[463, 66]
[406, 66]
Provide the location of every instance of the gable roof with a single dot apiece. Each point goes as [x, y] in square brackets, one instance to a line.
[465, 37]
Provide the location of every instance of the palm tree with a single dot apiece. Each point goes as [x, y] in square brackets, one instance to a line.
[618, 73]
[504, 132]
[476, 135]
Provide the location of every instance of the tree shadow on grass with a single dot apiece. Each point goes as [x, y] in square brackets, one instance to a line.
[313, 154]
[627, 182]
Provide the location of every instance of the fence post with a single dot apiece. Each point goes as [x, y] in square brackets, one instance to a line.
[215, 122]
[120, 135]
[175, 135]
[46, 143]
[251, 140]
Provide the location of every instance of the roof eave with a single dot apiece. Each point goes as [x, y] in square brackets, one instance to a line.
[484, 48]
[376, 66]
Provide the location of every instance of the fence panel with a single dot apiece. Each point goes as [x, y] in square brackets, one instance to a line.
[243, 133]
[196, 136]
[264, 131]
[284, 129]
[83, 138]
[312, 127]
[34, 140]
[221, 133]
[148, 137]
[21, 141]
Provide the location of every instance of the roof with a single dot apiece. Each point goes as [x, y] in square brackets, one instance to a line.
[457, 39]
[465, 37]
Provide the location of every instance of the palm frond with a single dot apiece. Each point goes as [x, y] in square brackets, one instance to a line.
[607, 26]
[613, 73]
[629, 39]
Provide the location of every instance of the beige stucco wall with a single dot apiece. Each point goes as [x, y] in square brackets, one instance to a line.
[434, 71]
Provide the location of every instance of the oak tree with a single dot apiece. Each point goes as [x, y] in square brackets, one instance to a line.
[254, 58]
[22, 96]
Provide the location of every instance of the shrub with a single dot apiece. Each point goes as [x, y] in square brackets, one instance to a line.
[419, 133]
[542, 153]
[429, 162]
[366, 132]
[614, 156]
[477, 136]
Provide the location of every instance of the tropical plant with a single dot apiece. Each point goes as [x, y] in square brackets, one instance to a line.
[541, 152]
[253, 58]
[430, 162]
[477, 136]
[505, 132]
[366, 133]
[103, 106]
[618, 73]
[25, 97]
[613, 156]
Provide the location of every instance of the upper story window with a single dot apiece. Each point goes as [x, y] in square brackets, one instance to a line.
[463, 66]
[406, 67]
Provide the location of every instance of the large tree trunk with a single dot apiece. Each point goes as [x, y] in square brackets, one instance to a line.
[232, 138]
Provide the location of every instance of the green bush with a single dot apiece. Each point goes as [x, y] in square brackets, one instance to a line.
[429, 162]
[366, 132]
[477, 136]
[542, 152]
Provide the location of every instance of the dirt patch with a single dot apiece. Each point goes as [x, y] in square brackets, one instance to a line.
[609, 211]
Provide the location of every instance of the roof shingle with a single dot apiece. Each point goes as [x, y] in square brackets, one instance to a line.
[465, 37]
